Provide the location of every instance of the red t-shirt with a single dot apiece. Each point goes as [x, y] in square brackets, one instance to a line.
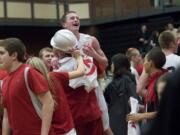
[22, 116]
[62, 119]
[2, 75]
[151, 97]
[83, 105]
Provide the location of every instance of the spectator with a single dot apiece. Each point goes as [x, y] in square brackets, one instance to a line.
[134, 57]
[143, 40]
[169, 109]
[167, 41]
[46, 54]
[117, 93]
[154, 60]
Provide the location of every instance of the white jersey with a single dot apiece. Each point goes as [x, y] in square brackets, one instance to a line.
[83, 40]
[172, 61]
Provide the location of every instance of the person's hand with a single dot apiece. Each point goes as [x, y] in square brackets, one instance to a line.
[134, 117]
[89, 50]
[55, 63]
[70, 50]
[76, 53]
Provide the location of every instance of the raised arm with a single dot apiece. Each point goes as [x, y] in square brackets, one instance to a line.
[80, 71]
[94, 50]
[142, 84]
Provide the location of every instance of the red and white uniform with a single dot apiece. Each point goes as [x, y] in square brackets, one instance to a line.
[22, 116]
[83, 40]
[83, 106]
[81, 94]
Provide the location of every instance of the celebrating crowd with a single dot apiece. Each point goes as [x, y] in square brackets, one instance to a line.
[61, 91]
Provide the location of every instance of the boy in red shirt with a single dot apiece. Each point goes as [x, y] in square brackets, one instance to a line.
[2, 75]
[19, 113]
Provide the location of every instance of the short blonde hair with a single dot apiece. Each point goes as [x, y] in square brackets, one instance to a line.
[166, 38]
[48, 49]
[131, 52]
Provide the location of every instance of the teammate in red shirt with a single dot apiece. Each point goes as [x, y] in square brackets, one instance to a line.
[19, 113]
[2, 75]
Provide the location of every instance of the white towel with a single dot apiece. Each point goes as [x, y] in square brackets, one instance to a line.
[89, 80]
[133, 127]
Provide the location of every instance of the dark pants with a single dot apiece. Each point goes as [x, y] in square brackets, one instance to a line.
[91, 128]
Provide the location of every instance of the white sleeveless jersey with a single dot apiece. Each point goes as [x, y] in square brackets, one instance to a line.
[83, 40]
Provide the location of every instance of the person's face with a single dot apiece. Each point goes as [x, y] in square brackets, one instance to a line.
[143, 28]
[5, 59]
[137, 58]
[47, 57]
[72, 22]
[170, 26]
[160, 88]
